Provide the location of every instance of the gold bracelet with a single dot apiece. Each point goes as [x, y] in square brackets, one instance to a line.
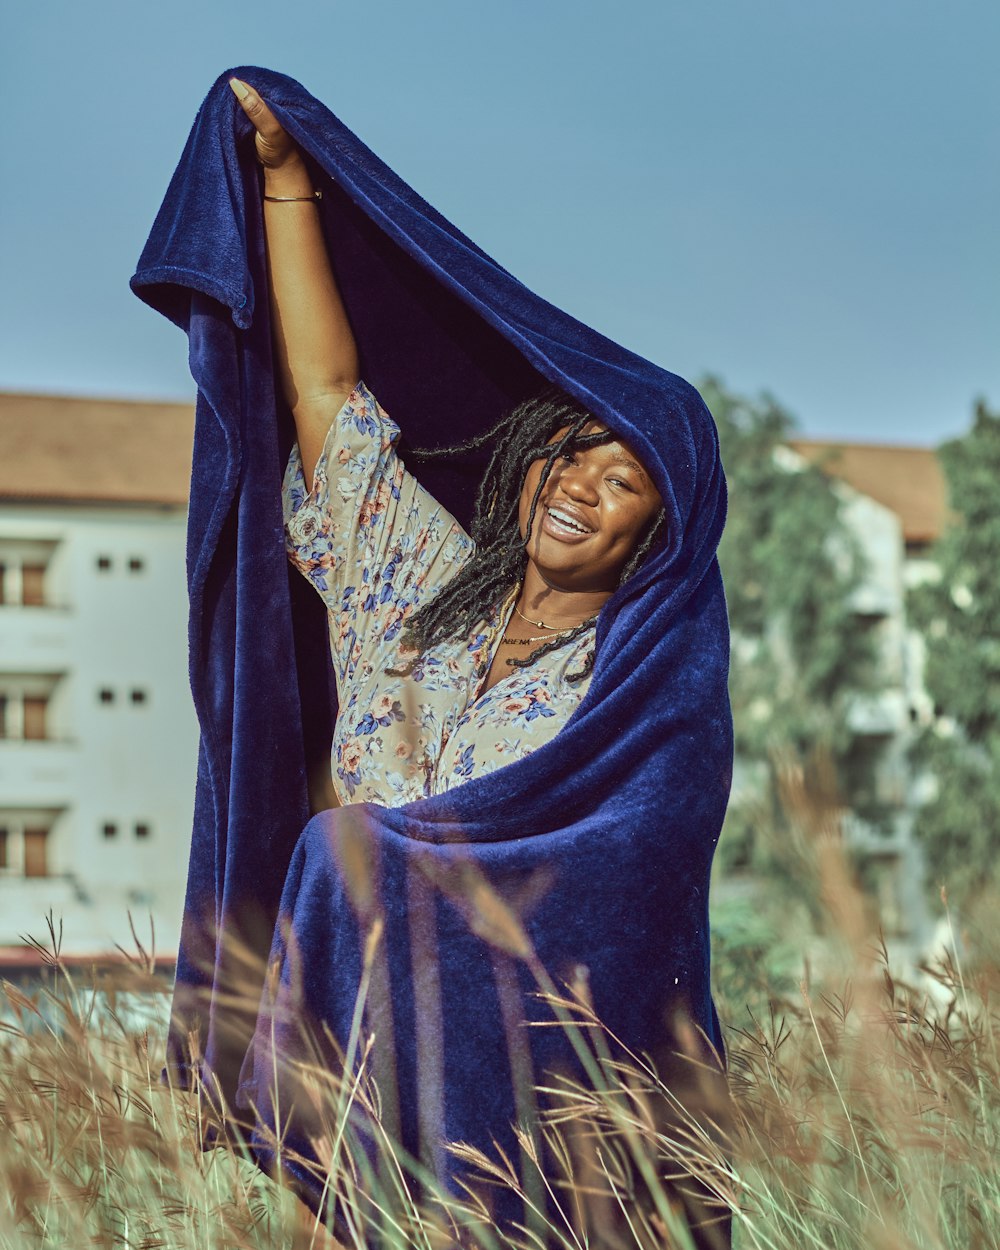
[292, 199]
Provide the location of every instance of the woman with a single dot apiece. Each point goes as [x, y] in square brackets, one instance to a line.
[463, 649]
[454, 654]
[418, 610]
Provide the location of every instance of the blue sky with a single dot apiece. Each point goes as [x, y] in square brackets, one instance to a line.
[798, 196]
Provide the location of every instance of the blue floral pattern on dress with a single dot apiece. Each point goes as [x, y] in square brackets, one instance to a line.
[376, 545]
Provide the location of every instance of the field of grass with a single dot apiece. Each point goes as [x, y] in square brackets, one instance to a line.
[860, 1112]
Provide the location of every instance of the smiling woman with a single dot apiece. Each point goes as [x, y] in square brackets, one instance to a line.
[531, 713]
[457, 654]
[565, 514]
[474, 648]
[597, 499]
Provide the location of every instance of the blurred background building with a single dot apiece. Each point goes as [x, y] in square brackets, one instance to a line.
[893, 500]
[98, 738]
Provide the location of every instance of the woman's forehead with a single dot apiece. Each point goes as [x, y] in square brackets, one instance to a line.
[615, 443]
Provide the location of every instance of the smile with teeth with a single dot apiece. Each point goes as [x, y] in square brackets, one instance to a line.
[563, 521]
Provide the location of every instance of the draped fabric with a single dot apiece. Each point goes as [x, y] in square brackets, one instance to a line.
[601, 840]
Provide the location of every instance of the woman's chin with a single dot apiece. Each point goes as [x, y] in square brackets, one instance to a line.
[571, 577]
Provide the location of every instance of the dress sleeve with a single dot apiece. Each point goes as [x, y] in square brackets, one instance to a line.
[372, 541]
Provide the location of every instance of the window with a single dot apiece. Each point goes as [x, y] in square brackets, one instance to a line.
[136, 564]
[26, 706]
[142, 830]
[25, 568]
[36, 851]
[103, 564]
[34, 717]
[138, 696]
[109, 829]
[24, 841]
[106, 695]
[33, 585]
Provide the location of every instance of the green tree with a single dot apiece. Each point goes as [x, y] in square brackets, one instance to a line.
[799, 653]
[959, 617]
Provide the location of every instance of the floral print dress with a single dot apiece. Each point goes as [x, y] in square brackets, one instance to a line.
[376, 545]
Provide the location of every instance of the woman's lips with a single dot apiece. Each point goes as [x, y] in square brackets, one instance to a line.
[564, 533]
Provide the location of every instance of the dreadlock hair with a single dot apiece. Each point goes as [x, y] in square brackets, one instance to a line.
[500, 557]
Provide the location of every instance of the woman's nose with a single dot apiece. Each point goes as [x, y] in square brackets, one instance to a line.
[578, 483]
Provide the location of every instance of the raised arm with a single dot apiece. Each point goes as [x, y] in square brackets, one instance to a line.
[315, 348]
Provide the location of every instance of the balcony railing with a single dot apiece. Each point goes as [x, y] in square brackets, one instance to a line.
[34, 639]
[863, 836]
[50, 740]
[47, 606]
[36, 769]
[878, 714]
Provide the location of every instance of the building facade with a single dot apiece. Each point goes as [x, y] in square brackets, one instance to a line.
[98, 739]
[893, 501]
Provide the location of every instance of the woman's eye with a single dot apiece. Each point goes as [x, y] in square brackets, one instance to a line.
[619, 482]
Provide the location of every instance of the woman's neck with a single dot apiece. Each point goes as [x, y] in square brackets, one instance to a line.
[550, 607]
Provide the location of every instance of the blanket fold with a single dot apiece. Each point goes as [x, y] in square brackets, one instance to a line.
[601, 840]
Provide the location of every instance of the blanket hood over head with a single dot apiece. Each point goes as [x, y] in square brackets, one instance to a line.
[609, 829]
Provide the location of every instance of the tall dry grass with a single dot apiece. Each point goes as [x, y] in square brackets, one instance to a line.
[859, 1112]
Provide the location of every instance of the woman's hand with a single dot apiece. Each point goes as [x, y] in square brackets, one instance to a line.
[275, 148]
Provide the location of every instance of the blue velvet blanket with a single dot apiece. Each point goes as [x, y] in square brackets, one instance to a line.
[601, 841]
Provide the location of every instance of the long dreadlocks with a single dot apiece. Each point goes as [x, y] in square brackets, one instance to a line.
[500, 556]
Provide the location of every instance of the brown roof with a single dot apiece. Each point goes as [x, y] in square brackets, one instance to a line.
[907, 480]
[75, 450]
[72, 450]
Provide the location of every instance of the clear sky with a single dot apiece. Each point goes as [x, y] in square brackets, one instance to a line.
[799, 196]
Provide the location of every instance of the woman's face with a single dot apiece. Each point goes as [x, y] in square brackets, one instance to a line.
[591, 513]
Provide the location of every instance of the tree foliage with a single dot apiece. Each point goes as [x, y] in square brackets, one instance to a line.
[799, 656]
[959, 617]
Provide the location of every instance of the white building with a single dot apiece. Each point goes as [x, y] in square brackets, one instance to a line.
[98, 739]
[894, 502]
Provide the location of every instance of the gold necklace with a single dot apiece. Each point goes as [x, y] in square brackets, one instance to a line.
[561, 629]
[525, 642]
